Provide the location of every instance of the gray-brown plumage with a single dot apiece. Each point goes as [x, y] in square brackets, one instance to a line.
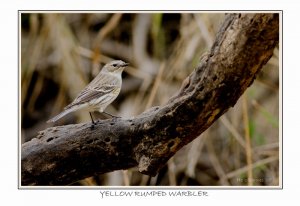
[100, 92]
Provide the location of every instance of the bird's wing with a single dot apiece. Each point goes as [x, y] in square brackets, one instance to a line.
[90, 93]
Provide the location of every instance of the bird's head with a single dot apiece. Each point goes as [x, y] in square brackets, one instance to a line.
[115, 66]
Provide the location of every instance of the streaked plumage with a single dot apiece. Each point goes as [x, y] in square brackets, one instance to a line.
[100, 92]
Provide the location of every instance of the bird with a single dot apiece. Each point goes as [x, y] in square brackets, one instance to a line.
[99, 93]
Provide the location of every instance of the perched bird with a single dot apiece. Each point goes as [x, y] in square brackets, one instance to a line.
[100, 92]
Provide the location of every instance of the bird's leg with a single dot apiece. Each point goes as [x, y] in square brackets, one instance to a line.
[111, 115]
[92, 127]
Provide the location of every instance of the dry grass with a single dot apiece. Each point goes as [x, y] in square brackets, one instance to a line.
[61, 53]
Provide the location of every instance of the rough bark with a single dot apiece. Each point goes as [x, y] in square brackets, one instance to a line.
[65, 154]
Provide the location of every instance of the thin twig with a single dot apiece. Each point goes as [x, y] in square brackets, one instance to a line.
[155, 86]
[248, 141]
[216, 163]
[194, 154]
[254, 165]
[104, 31]
[126, 178]
[233, 131]
[172, 172]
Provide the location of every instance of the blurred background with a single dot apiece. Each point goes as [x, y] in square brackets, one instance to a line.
[61, 53]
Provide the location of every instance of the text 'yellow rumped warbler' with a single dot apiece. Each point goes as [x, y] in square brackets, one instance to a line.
[98, 94]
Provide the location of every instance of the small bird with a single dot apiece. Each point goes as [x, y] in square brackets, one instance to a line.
[99, 93]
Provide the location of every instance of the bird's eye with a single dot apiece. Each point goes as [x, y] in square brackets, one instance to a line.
[114, 65]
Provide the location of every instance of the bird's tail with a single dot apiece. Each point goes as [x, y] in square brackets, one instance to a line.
[60, 115]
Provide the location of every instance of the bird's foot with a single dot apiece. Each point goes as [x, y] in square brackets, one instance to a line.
[93, 126]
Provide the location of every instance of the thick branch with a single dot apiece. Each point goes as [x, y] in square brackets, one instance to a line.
[65, 154]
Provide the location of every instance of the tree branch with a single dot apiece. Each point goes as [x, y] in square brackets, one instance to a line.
[65, 154]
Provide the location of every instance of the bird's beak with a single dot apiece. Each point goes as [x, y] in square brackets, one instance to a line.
[125, 64]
